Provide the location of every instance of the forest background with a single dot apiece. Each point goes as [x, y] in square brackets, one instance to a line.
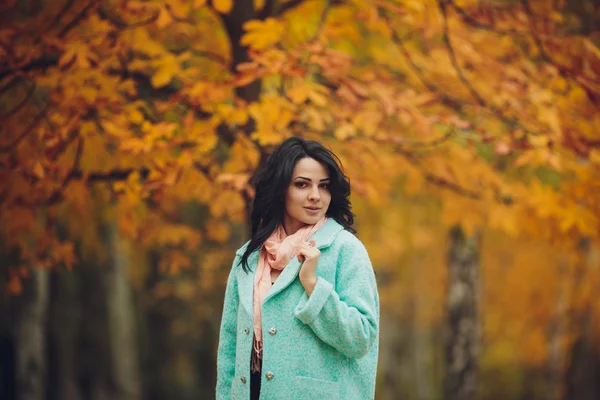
[130, 131]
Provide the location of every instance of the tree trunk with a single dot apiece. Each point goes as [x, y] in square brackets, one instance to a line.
[30, 337]
[93, 349]
[462, 323]
[125, 373]
[63, 324]
[155, 331]
[392, 361]
[556, 334]
[583, 375]
[422, 342]
[582, 378]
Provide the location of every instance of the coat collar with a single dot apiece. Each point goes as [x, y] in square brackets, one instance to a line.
[324, 237]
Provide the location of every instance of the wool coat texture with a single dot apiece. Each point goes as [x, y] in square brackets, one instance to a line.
[321, 347]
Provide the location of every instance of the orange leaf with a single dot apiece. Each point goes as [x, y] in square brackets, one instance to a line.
[38, 170]
[223, 6]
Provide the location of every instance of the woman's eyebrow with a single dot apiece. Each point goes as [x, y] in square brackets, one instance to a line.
[310, 180]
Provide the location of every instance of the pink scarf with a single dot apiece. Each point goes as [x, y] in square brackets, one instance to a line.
[278, 250]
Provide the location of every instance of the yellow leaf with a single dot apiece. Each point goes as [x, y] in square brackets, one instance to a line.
[217, 231]
[367, 121]
[162, 77]
[67, 57]
[259, 4]
[228, 203]
[298, 94]
[308, 90]
[262, 34]
[595, 156]
[38, 170]
[136, 116]
[538, 140]
[113, 129]
[272, 116]
[243, 156]
[180, 8]
[140, 41]
[267, 137]
[204, 134]
[223, 6]
[231, 115]
[503, 218]
[314, 119]
[164, 18]
[90, 94]
[345, 131]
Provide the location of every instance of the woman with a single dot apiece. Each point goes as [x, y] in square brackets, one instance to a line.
[301, 312]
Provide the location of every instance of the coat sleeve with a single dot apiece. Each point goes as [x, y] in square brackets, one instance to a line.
[345, 317]
[227, 337]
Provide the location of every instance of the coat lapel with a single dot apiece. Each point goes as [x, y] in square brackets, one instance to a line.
[246, 282]
[323, 237]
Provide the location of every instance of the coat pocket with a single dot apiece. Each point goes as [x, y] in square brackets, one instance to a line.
[306, 388]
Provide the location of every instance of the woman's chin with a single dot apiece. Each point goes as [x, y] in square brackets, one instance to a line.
[313, 219]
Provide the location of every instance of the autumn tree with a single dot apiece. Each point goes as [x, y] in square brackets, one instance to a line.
[139, 109]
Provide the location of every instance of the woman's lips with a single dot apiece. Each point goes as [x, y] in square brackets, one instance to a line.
[312, 211]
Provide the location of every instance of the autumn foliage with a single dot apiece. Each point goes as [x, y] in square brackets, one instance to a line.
[134, 110]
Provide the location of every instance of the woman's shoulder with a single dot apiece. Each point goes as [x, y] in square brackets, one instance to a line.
[347, 241]
[240, 252]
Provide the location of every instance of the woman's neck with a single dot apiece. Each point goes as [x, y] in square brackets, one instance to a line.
[291, 226]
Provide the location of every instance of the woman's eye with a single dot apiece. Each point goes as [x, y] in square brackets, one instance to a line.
[300, 184]
[325, 186]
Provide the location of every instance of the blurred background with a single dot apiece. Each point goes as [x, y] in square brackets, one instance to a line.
[130, 132]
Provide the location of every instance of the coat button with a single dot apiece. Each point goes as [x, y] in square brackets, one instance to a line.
[269, 376]
[243, 379]
[246, 331]
[272, 331]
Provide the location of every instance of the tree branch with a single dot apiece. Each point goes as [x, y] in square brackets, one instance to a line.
[469, 20]
[268, 10]
[474, 93]
[122, 25]
[452, 54]
[77, 19]
[56, 19]
[12, 81]
[446, 184]
[58, 193]
[22, 103]
[210, 55]
[416, 144]
[562, 70]
[9, 147]
[446, 99]
[39, 63]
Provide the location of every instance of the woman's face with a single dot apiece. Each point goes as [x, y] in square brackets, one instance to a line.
[307, 197]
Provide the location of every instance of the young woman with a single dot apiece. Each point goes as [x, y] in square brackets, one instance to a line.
[301, 312]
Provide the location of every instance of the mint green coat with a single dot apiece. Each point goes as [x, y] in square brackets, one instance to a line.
[323, 347]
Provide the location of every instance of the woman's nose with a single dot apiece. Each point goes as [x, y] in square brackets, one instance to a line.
[314, 194]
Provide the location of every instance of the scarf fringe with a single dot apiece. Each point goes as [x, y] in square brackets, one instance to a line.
[256, 357]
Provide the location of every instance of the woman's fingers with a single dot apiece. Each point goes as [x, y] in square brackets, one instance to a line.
[307, 249]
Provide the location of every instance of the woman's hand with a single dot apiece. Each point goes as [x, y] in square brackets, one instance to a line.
[308, 275]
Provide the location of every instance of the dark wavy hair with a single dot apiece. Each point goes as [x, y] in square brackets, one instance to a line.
[271, 183]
